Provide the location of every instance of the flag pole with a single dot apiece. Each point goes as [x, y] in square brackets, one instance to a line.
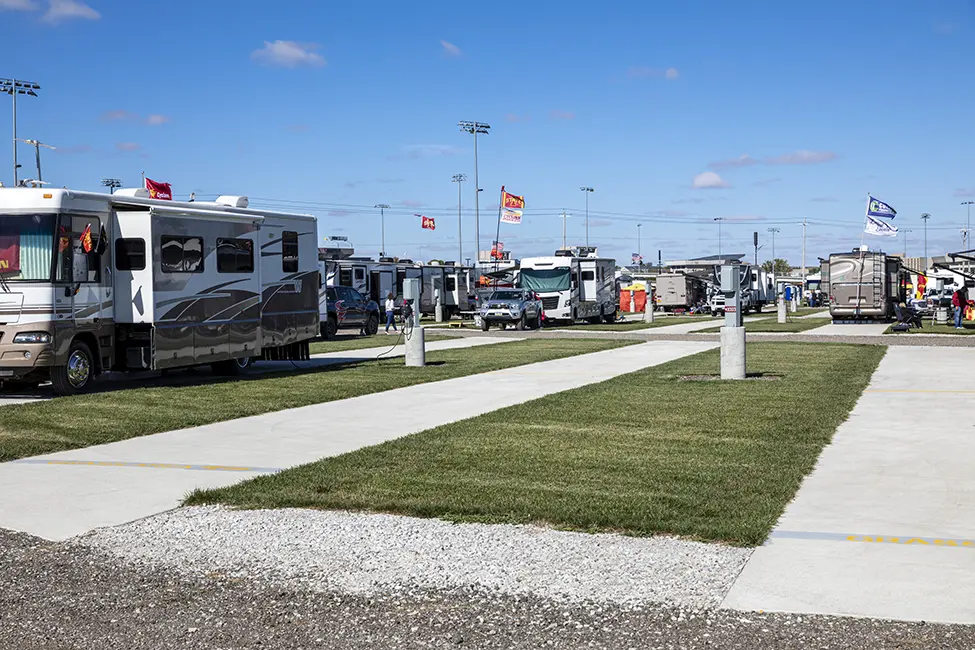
[497, 236]
[863, 231]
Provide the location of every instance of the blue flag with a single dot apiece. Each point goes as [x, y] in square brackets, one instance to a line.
[877, 208]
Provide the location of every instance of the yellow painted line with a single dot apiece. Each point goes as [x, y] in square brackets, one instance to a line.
[902, 540]
[115, 463]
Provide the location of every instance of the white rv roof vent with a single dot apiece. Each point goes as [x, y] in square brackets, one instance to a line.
[232, 201]
[135, 192]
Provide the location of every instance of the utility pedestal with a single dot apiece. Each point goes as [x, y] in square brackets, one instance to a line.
[794, 305]
[781, 308]
[416, 354]
[648, 309]
[733, 332]
[438, 309]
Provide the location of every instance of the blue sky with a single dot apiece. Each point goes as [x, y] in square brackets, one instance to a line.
[763, 113]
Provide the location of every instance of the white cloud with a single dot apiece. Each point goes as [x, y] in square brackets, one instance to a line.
[963, 193]
[562, 115]
[743, 160]
[450, 49]
[708, 180]
[18, 5]
[414, 151]
[801, 157]
[647, 72]
[117, 116]
[288, 54]
[671, 73]
[514, 117]
[156, 119]
[128, 147]
[61, 10]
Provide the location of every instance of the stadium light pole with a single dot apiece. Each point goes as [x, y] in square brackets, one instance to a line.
[924, 217]
[37, 144]
[588, 191]
[382, 224]
[968, 220]
[112, 184]
[773, 231]
[639, 242]
[475, 128]
[459, 179]
[17, 87]
[905, 231]
[719, 220]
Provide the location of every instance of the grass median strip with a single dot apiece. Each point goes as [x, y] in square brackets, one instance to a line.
[772, 325]
[659, 321]
[85, 420]
[929, 328]
[645, 453]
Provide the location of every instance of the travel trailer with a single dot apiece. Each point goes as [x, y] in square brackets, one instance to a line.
[756, 291]
[679, 292]
[91, 283]
[865, 284]
[377, 279]
[572, 287]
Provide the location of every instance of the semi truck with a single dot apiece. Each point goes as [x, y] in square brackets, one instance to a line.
[865, 284]
[91, 283]
[572, 286]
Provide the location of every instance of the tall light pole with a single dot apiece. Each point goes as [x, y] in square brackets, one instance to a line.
[773, 231]
[37, 144]
[17, 87]
[905, 231]
[111, 184]
[564, 217]
[968, 220]
[803, 224]
[475, 128]
[382, 225]
[719, 220]
[459, 179]
[925, 217]
[639, 242]
[588, 191]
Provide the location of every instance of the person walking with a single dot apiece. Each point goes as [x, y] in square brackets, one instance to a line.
[959, 301]
[390, 307]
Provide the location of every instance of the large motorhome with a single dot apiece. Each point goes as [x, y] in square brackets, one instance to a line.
[377, 279]
[572, 287]
[91, 283]
[865, 285]
[679, 292]
[756, 290]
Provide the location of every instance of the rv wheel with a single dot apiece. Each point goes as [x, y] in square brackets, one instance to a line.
[75, 376]
[233, 367]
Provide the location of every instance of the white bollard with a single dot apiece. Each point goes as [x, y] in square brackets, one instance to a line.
[438, 309]
[732, 352]
[648, 310]
[416, 353]
[781, 308]
[794, 306]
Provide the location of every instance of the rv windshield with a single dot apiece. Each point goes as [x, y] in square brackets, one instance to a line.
[545, 280]
[26, 247]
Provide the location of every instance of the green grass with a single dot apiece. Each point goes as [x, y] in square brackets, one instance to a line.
[342, 342]
[968, 329]
[772, 325]
[92, 419]
[659, 321]
[642, 454]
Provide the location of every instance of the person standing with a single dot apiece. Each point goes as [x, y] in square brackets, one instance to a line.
[390, 307]
[959, 301]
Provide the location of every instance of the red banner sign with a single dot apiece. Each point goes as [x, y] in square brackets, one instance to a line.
[428, 223]
[158, 190]
[9, 253]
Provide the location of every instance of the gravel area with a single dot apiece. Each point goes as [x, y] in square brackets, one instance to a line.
[373, 554]
[56, 596]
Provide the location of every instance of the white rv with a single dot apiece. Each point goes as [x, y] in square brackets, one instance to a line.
[571, 287]
[378, 279]
[96, 282]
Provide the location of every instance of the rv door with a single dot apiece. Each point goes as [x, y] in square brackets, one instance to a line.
[587, 272]
[86, 291]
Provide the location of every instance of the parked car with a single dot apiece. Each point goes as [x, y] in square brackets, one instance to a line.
[933, 299]
[520, 307]
[349, 309]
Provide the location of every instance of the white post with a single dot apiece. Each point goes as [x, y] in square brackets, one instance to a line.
[648, 308]
[732, 352]
[781, 309]
[438, 308]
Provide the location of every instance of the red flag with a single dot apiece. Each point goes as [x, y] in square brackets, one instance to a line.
[9, 252]
[86, 239]
[158, 190]
[428, 223]
[511, 201]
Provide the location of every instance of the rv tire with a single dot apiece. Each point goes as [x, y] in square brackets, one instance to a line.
[75, 376]
[232, 367]
[372, 325]
[610, 317]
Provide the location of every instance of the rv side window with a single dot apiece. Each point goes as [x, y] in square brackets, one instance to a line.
[360, 274]
[289, 251]
[72, 246]
[235, 255]
[588, 275]
[181, 254]
[130, 254]
[345, 277]
[400, 278]
[450, 284]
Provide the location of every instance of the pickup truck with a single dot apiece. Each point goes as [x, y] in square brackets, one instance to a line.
[511, 306]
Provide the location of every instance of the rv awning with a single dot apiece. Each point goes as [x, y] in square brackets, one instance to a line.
[216, 215]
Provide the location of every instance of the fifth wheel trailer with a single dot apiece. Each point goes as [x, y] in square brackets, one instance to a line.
[865, 285]
[676, 291]
[95, 282]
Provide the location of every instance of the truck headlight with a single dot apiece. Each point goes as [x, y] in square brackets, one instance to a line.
[32, 337]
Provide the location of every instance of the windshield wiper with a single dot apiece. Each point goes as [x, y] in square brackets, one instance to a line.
[3, 282]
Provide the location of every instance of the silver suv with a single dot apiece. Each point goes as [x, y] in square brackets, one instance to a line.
[520, 307]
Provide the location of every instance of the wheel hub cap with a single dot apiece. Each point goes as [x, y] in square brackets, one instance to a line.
[79, 369]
